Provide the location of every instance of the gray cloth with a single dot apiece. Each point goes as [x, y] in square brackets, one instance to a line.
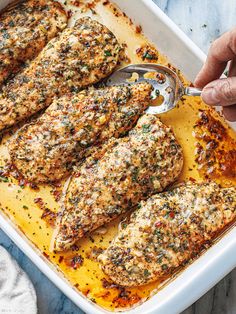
[17, 294]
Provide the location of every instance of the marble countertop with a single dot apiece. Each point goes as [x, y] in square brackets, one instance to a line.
[202, 21]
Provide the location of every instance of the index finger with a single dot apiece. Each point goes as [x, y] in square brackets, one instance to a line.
[222, 50]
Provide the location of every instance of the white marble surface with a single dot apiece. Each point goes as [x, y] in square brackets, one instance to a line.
[203, 21]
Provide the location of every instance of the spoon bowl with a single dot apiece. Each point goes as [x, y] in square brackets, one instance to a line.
[166, 84]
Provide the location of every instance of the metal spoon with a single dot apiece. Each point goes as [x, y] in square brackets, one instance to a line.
[166, 84]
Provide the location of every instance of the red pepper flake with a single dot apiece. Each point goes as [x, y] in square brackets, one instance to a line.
[75, 261]
[39, 200]
[49, 216]
[60, 259]
[86, 292]
[138, 29]
[170, 66]
[91, 5]
[46, 255]
[110, 285]
[76, 3]
[158, 224]
[56, 191]
[77, 174]
[57, 184]
[57, 195]
[172, 214]
[75, 247]
[126, 299]
[10, 169]
[69, 14]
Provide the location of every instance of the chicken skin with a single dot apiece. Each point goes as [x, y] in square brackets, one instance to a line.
[26, 28]
[168, 230]
[79, 56]
[124, 172]
[47, 149]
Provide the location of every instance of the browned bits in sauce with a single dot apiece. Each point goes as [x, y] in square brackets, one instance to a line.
[124, 297]
[11, 170]
[48, 215]
[76, 3]
[116, 12]
[85, 5]
[75, 261]
[147, 53]
[69, 14]
[110, 285]
[215, 148]
[94, 253]
[56, 191]
[46, 255]
[171, 67]
[91, 5]
[86, 292]
[106, 2]
[138, 29]
[61, 258]
[75, 248]
[39, 201]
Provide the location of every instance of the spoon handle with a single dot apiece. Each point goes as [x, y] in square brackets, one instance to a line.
[192, 91]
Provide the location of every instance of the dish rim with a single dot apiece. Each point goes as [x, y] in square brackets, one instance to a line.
[214, 264]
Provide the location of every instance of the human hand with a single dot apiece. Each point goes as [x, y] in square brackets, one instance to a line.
[218, 91]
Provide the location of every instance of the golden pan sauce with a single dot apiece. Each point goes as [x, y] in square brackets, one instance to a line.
[33, 210]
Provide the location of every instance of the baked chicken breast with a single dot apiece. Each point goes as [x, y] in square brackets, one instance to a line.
[26, 27]
[168, 230]
[123, 173]
[47, 149]
[79, 56]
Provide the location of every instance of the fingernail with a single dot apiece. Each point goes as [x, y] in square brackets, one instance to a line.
[210, 96]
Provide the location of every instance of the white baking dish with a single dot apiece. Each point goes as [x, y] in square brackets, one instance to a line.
[212, 265]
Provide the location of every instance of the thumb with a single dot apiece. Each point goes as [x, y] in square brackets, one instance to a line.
[220, 92]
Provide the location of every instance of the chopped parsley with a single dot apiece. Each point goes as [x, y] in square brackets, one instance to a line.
[146, 273]
[146, 128]
[107, 53]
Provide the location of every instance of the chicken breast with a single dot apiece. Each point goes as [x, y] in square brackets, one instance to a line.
[126, 171]
[25, 29]
[47, 149]
[78, 57]
[168, 230]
